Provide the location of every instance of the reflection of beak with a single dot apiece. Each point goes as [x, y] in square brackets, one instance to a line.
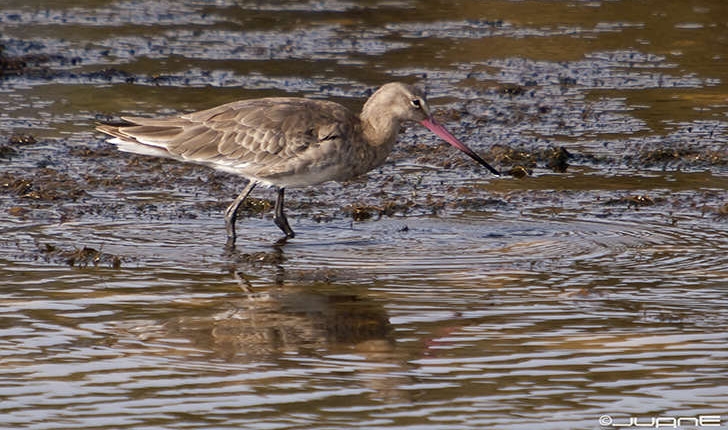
[439, 130]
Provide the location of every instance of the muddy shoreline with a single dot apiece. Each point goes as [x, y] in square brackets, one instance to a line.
[59, 180]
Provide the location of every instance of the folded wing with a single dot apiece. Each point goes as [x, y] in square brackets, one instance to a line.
[260, 139]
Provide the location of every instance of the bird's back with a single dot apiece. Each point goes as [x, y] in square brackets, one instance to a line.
[282, 141]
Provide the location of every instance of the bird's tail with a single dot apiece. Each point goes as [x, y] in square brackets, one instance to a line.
[124, 137]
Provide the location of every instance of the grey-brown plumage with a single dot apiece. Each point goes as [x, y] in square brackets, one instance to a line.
[283, 141]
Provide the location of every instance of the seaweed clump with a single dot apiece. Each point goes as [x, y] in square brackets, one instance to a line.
[521, 161]
[671, 155]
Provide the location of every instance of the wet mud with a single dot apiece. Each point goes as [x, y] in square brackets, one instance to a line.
[87, 183]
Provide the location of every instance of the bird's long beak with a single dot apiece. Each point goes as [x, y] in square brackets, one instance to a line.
[439, 130]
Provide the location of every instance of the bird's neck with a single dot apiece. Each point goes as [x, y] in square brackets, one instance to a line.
[379, 129]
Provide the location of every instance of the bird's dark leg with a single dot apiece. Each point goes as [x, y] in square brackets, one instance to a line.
[231, 212]
[280, 218]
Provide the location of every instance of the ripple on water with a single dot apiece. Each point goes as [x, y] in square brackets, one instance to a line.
[370, 322]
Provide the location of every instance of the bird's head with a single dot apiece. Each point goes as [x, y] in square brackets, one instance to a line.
[408, 103]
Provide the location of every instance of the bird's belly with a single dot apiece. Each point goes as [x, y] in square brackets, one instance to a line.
[306, 178]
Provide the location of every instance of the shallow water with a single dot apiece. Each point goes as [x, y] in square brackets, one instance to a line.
[427, 295]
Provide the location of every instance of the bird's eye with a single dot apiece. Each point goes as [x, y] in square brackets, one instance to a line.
[417, 103]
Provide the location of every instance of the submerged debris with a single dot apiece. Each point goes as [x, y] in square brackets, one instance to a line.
[722, 211]
[719, 212]
[668, 154]
[557, 159]
[520, 171]
[262, 258]
[22, 139]
[30, 65]
[80, 257]
[632, 201]
[511, 156]
[44, 184]
[362, 212]
[9, 150]
[256, 206]
[17, 211]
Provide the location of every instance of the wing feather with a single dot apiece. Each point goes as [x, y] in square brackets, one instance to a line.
[263, 138]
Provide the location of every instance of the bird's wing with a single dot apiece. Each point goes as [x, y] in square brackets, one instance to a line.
[261, 138]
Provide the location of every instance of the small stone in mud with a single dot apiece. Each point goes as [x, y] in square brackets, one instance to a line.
[661, 155]
[83, 257]
[19, 186]
[643, 200]
[519, 172]
[257, 206]
[504, 154]
[261, 258]
[17, 211]
[22, 139]
[512, 90]
[7, 152]
[558, 159]
[651, 155]
[10, 65]
[112, 74]
[582, 293]
[80, 257]
[479, 203]
[722, 212]
[361, 212]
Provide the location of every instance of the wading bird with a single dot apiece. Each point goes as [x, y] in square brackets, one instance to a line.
[284, 142]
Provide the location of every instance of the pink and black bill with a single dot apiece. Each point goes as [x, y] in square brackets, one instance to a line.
[439, 130]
